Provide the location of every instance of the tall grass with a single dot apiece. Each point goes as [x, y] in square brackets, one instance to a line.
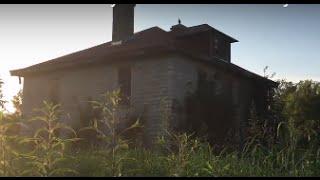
[48, 148]
[108, 128]
[8, 153]
[175, 154]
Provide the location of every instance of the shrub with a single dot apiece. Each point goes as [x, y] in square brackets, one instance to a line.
[110, 132]
[49, 148]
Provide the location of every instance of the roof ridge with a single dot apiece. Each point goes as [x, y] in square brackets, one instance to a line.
[212, 28]
[154, 27]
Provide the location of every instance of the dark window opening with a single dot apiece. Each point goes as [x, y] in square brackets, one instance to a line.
[216, 42]
[210, 83]
[205, 86]
[54, 91]
[124, 75]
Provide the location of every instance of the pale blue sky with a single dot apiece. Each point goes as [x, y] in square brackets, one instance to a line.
[285, 39]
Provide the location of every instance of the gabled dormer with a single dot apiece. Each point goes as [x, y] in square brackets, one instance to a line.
[204, 40]
[220, 45]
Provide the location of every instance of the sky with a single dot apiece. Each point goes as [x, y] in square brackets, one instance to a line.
[284, 38]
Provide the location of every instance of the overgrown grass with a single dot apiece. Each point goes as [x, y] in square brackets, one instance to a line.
[203, 163]
[175, 154]
[48, 150]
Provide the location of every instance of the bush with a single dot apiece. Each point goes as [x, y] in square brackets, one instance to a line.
[295, 152]
[48, 152]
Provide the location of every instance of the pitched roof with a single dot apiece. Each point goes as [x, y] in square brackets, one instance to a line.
[206, 27]
[233, 68]
[146, 42]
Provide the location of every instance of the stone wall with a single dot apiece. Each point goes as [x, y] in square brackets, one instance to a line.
[158, 90]
[151, 79]
[75, 89]
[184, 80]
[242, 98]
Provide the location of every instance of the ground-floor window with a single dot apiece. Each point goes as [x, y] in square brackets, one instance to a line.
[54, 91]
[124, 80]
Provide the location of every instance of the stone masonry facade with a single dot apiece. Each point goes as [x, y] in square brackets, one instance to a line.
[157, 85]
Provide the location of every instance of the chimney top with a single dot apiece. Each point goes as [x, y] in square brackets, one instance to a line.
[123, 21]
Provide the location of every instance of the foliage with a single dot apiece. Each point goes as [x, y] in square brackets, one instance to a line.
[180, 150]
[2, 102]
[176, 148]
[8, 153]
[295, 109]
[8, 137]
[302, 112]
[49, 148]
[208, 109]
[17, 103]
[108, 128]
[295, 152]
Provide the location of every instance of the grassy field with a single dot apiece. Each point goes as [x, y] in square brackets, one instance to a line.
[44, 152]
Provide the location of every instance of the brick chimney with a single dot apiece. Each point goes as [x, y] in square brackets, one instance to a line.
[123, 21]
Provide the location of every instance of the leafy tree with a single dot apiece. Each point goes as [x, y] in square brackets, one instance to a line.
[2, 102]
[295, 109]
[301, 110]
[17, 103]
[8, 152]
[8, 137]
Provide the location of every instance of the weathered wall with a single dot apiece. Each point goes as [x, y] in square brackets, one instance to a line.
[233, 91]
[35, 90]
[150, 84]
[242, 98]
[152, 92]
[75, 89]
[79, 87]
[184, 79]
[159, 85]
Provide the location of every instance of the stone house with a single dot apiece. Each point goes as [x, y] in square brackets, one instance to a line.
[148, 66]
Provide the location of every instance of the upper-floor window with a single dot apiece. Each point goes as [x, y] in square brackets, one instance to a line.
[216, 41]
